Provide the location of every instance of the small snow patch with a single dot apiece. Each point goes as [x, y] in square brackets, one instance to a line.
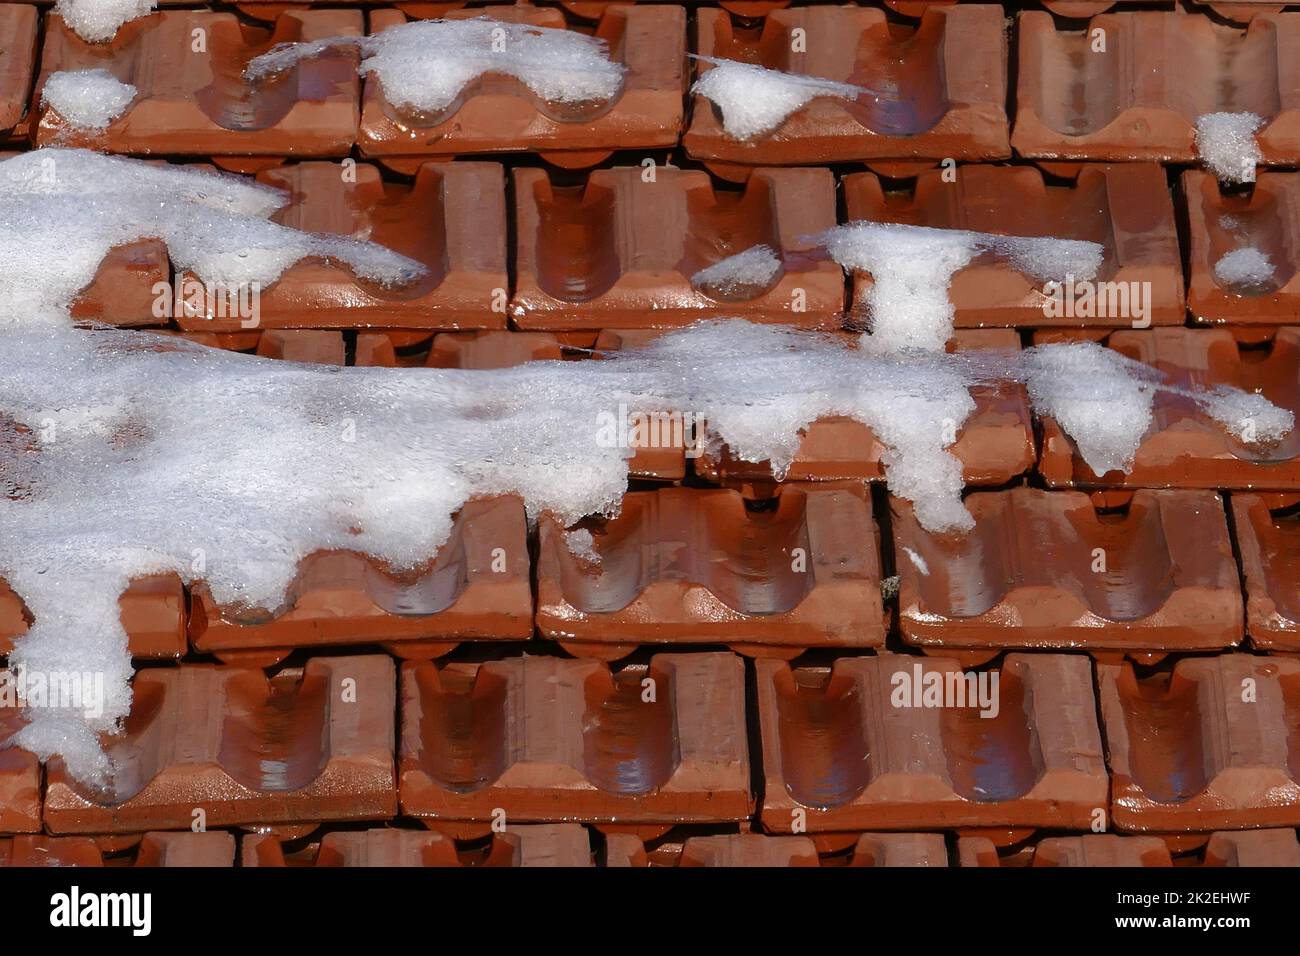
[87, 99]
[754, 100]
[742, 276]
[1247, 416]
[1246, 267]
[582, 545]
[1101, 398]
[1226, 144]
[97, 21]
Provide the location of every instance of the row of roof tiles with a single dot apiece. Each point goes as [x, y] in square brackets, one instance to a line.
[886, 742]
[940, 89]
[623, 251]
[571, 844]
[657, 578]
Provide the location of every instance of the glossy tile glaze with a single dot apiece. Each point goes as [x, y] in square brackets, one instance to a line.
[542, 738]
[1047, 569]
[1268, 540]
[841, 752]
[308, 744]
[681, 566]
[1210, 745]
[620, 251]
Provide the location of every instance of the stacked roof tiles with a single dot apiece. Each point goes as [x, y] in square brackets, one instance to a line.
[695, 697]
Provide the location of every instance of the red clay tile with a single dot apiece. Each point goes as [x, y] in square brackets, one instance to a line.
[1266, 219]
[452, 219]
[692, 565]
[153, 614]
[131, 287]
[1185, 448]
[492, 350]
[838, 755]
[561, 844]
[1046, 569]
[1123, 207]
[761, 850]
[498, 114]
[20, 780]
[197, 103]
[1210, 746]
[18, 27]
[1161, 71]
[476, 588]
[1253, 848]
[313, 743]
[551, 739]
[1092, 850]
[900, 849]
[34, 851]
[939, 88]
[995, 445]
[620, 252]
[185, 849]
[749, 849]
[210, 849]
[1268, 540]
[303, 345]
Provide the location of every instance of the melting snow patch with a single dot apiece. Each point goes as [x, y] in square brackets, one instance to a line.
[1101, 398]
[755, 100]
[1226, 144]
[97, 21]
[911, 268]
[294, 459]
[1247, 416]
[87, 99]
[62, 210]
[742, 276]
[582, 545]
[425, 64]
[1245, 267]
